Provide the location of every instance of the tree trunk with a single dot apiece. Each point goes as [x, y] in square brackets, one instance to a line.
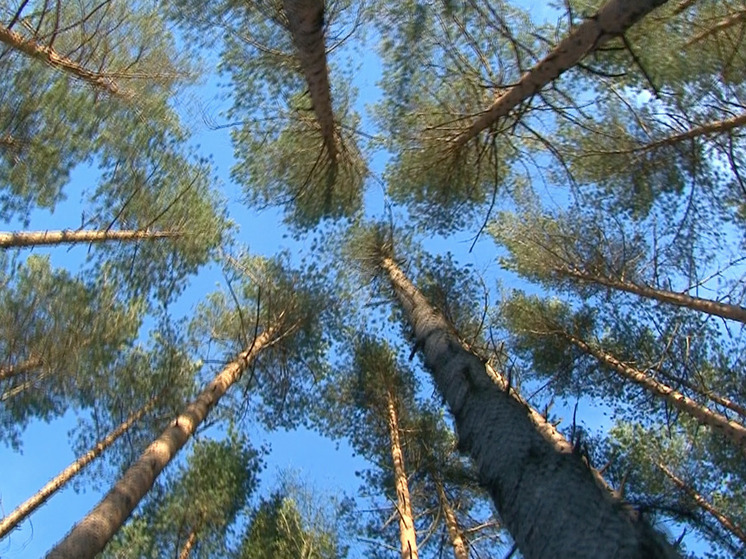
[730, 21]
[703, 503]
[90, 535]
[58, 482]
[611, 20]
[306, 24]
[49, 56]
[455, 534]
[407, 534]
[41, 238]
[186, 549]
[547, 495]
[10, 371]
[733, 431]
[716, 127]
[724, 310]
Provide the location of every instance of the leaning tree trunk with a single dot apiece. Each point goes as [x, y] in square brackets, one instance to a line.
[90, 535]
[306, 25]
[455, 534]
[704, 504]
[10, 371]
[68, 236]
[407, 534]
[733, 431]
[611, 20]
[23, 510]
[550, 500]
[47, 55]
[716, 308]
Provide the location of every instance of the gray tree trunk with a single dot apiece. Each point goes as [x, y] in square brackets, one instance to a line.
[550, 500]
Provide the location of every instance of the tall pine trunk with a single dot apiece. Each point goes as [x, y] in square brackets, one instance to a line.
[550, 500]
[90, 535]
[407, 534]
[47, 55]
[10, 371]
[455, 534]
[733, 431]
[716, 308]
[42, 238]
[611, 20]
[306, 25]
[60, 480]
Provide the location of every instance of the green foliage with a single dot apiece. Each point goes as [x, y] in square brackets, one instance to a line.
[50, 121]
[277, 529]
[59, 331]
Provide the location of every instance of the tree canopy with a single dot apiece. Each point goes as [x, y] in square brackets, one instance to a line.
[490, 248]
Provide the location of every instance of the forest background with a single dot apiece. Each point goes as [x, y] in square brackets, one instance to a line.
[613, 191]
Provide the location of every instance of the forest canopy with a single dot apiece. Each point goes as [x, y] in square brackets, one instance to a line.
[492, 252]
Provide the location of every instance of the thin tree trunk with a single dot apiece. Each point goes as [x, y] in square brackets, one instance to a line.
[60, 480]
[306, 24]
[732, 430]
[611, 20]
[724, 310]
[49, 56]
[186, 549]
[703, 503]
[549, 498]
[10, 371]
[455, 534]
[716, 127]
[90, 535]
[68, 236]
[725, 23]
[407, 534]
[705, 393]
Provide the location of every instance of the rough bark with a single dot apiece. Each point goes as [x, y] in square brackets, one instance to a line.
[60, 480]
[611, 20]
[704, 504]
[47, 55]
[90, 535]
[548, 497]
[407, 534]
[455, 534]
[68, 236]
[733, 431]
[716, 308]
[306, 24]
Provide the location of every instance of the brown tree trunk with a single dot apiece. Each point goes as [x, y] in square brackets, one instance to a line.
[554, 505]
[724, 310]
[703, 503]
[49, 56]
[455, 534]
[41, 238]
[23, 510]
[90, 535]
[186, 549]
[732, 430]
[306, 24]
[611, 20]
[407, 534]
